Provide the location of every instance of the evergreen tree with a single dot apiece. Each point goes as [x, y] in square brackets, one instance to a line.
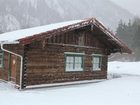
[136, 44]
[130, 34]
[124, 32]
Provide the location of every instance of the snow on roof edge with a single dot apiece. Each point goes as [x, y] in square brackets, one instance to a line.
[23, 33]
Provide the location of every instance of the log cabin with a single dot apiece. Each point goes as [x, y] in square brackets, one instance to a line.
[62, 53]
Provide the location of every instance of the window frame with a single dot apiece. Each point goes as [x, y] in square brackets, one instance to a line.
[100, 62]
[74, 55]
[2, 59]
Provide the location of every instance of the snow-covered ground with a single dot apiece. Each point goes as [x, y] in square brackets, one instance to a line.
[118, 91]
[130, 68]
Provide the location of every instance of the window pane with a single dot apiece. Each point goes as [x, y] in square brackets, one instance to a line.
[69, 59]
[96, 66]
[69, 67]
[96, 60]
[96, 63]
[69, 63]
[78, 64]
[78, 59]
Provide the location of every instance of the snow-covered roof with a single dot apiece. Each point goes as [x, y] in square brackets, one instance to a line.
[19, 34]
[27, 36]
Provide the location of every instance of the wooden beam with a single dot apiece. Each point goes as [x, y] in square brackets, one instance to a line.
[72, 45]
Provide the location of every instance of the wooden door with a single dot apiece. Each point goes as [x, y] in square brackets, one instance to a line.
[13, 67]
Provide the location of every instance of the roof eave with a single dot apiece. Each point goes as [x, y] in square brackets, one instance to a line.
[128, 51]
[9, 42]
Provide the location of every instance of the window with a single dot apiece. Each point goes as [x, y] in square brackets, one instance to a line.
[1, 59]
[74, 62]
[97, 62]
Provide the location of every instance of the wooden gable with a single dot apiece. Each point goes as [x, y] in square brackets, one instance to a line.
[113, 43]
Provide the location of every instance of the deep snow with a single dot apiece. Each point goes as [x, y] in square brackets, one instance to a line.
[118, 91]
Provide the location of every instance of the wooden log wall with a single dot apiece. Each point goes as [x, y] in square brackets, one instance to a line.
[47, 65]
[16, 48]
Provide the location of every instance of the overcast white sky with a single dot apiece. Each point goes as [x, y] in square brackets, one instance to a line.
[132, 5]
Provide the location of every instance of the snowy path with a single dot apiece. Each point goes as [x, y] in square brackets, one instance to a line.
[119, 91]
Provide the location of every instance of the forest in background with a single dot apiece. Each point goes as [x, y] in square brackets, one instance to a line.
[130, 34]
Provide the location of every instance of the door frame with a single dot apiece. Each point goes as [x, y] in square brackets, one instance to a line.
[11, 57]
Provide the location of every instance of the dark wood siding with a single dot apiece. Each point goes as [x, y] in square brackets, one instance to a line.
[47, 64]
[4, 71]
